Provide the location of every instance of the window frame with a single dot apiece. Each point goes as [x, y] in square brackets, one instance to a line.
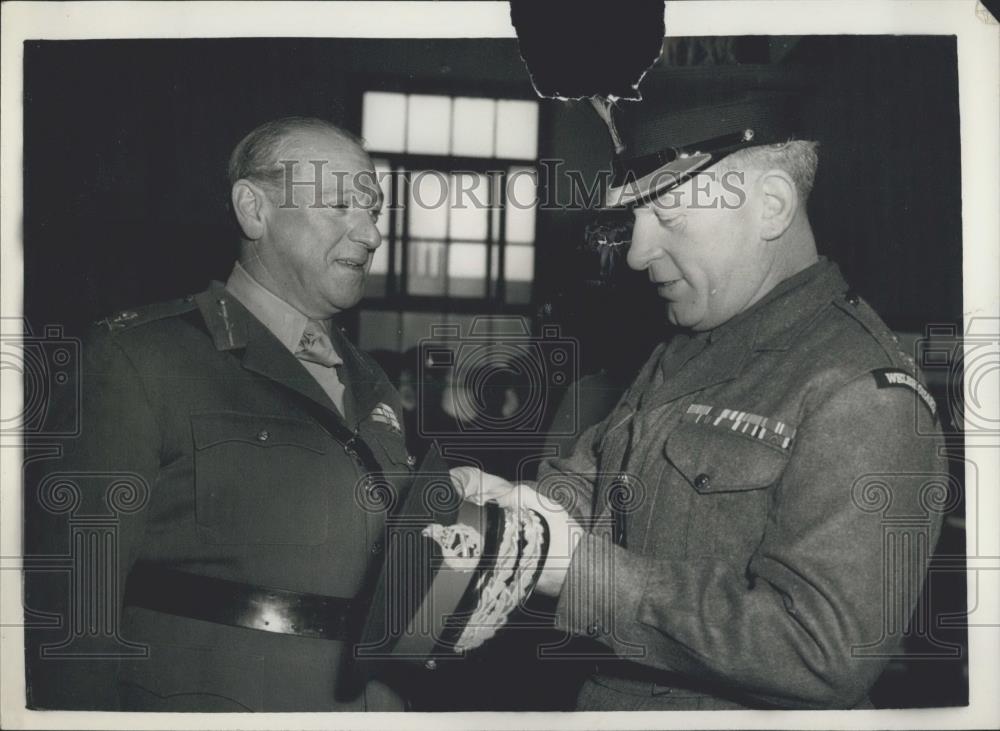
[396, 298]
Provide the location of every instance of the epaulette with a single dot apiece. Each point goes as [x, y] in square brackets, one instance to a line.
[905, 374]
[128, 319]
[852, 304]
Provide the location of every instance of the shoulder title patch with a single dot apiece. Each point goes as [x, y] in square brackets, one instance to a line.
[894, 377]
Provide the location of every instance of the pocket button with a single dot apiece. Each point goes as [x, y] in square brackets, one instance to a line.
[703, 482]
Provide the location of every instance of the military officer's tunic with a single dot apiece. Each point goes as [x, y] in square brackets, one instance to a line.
[740, 497]
[217, 431]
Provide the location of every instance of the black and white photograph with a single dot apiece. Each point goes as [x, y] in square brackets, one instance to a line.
[524, 360]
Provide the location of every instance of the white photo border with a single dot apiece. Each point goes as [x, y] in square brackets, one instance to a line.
[978, 43]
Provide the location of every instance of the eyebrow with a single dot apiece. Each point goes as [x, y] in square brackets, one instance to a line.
[352, 193]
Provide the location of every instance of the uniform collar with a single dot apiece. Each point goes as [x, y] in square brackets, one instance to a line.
[771, 323]
[789, 309]
[234, 328]
[780, 315]
[284, 321]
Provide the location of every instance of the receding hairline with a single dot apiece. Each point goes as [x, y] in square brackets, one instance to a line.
[301, 138]
[260, 150]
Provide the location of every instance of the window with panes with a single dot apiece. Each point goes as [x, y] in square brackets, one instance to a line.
[459, 177]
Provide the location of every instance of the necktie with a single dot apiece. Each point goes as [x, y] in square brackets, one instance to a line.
[315, 346]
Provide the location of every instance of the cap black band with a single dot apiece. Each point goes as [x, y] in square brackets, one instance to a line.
[634, 168]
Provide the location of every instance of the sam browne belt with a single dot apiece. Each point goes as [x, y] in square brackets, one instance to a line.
[240, 605]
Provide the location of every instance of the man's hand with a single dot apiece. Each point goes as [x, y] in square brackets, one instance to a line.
[564, 532]
[477, 486]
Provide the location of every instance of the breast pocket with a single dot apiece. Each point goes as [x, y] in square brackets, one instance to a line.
[260, 479]
[729, 476]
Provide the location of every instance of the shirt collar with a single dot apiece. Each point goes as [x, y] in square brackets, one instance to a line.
[284, 321]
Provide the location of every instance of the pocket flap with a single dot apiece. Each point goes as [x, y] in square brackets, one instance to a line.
[262, 430]
[718, 460]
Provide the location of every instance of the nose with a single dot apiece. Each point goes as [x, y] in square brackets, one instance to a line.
[365, 232]
[647, 242]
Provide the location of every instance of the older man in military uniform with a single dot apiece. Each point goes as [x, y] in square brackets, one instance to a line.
[717, 535]
[252, 436]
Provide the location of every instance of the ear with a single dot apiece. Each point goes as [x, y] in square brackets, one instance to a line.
[250, 203]
[780, 203]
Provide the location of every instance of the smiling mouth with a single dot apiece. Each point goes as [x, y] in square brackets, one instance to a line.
[352, 264]
[667, 285]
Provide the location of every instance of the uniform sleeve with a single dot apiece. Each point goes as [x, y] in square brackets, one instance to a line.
[802, 625]
[570, 480]
[86, 508]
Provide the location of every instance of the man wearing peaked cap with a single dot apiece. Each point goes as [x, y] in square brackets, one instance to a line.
[725, 543]
[248, 432]
[697, 119]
